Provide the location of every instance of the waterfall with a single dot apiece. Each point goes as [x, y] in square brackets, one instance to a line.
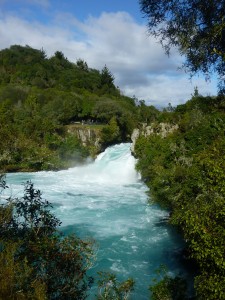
[106, 200]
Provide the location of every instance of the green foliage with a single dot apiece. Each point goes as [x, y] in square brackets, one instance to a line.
[39, 96]
[196, 28]
[147, 114]
[185, 172]
[36, 260]
[15, 276]
[107, 82]
[82, 65]
[111, 289]
[168, 287]
[111, 133]
[71, 150]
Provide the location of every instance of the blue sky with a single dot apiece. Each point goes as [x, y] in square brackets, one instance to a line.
[111, 32]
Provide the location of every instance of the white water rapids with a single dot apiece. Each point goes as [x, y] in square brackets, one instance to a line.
[106, 200]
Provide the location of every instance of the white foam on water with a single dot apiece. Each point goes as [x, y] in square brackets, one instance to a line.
[106, 200]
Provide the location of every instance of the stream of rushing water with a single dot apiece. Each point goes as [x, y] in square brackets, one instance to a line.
[106, 200]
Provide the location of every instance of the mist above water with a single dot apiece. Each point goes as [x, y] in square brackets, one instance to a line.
[106, 200]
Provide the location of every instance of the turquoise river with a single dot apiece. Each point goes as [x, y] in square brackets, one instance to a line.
[106, 200]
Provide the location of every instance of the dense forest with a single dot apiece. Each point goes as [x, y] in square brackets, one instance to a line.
[40, 96]
[185, 171]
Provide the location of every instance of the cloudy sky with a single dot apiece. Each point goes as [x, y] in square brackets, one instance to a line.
[102, 32]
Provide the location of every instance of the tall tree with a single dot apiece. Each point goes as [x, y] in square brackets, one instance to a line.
[107, 77]
[195, 27]
[82, 65]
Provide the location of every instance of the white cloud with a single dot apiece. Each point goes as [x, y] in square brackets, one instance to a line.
[116, 40]
[161, 90]
[138, 62]
[16, 31]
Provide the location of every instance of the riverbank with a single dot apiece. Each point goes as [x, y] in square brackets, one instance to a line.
[185, 174]
[107, 201]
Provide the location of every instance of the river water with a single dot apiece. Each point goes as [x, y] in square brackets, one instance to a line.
[106, 200]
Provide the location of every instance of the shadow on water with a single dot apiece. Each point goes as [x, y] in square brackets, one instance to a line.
[188, 268]
[121, 256]
[77, 229]
[74, 195]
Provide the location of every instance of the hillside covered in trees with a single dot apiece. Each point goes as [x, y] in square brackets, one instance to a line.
[39, 96]
[185, 172]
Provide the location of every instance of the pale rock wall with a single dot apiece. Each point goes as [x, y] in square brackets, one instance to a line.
[162, 129]
[88, 136]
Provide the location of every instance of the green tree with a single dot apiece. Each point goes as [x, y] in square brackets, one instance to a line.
[82, 65]
[109, 288]
[111, 132]
[15, 275]
[169, 288]
[107, 82]
[53, 265]
[106, 77]
[196, 28]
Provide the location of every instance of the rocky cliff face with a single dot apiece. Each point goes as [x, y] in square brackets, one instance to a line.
[134, 136]
[89, 136]
[162, 129]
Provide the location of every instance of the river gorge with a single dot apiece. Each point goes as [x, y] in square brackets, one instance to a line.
[107, 201]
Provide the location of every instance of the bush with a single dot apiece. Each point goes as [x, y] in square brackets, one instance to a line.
[38, 259]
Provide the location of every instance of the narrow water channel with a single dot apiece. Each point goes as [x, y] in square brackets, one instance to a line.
[106, 200]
